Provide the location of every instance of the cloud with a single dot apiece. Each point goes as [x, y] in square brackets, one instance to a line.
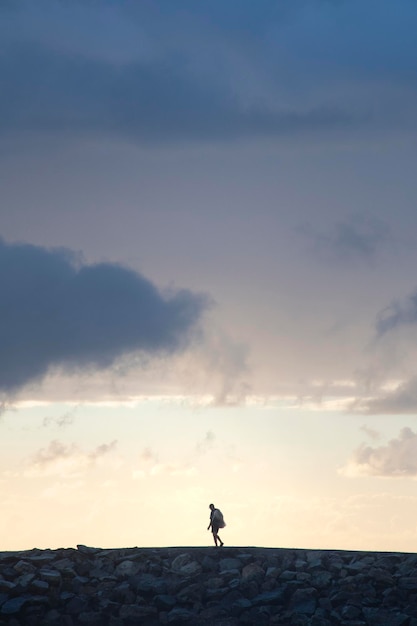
[55, 311]
[65, 459]
[158, 101]
[400, 400]
[178, 72]
[398, 314]
[206, 444]
[397, 459]
[371, 432]
[357, 237]
[62, 420]
[151, 467]
[217, 367]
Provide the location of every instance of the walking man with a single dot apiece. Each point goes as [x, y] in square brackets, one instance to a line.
[216, 522]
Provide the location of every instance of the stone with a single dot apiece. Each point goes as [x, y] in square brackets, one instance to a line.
[50, 576]
[14, 606]
[350, 611]
[274, 572]
[7, 586]
[230, 564]
[185, 566]
[90, 618]
[407, 582]
[137, 612]
[304, 601]
[321, 579]
[164, 602]
[180, 616]
[268, 597]
[252, 571]
[126, 568]
[76, 605]
[190, 594]
[23, 567]
[87, 550]
[39, 586]
[149, 584]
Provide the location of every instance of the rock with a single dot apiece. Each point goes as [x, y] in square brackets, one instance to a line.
[7, 586]
[87, 550]
[90, 618]
[14, 606]
[269, 597]
[408, 582]
[39, 586]
[150, 585]
[50, 576]
[23, 567]
[76, 605]
[321, 579]
[230, 564]
[274, 572]
[252, 572]
[201, 586]
[304, 601]
[126, 568]
[135, 612]
[185, 566]
[164, 602]
[180, 616]
[350, 611]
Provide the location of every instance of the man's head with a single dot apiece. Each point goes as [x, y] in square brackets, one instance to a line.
[212, 507]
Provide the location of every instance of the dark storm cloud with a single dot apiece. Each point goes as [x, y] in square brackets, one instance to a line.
[56, 312]
[50, 91]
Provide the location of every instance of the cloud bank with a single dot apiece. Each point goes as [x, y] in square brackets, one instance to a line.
[168, 72]
[144, 102]
[395, 460]
[55, 311]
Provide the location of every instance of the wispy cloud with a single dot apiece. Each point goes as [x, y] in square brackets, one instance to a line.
[396, 459]
[63, 459]
[357, 238]
[397, 315]
[206, 444]
[61, 421]
[151, 467]
[372, 433]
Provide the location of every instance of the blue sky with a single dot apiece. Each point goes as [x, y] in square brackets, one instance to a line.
[207, 268]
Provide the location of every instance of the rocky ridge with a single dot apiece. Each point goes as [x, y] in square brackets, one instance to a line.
[206, 586]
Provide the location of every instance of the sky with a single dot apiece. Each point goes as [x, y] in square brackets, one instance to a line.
[208, 273]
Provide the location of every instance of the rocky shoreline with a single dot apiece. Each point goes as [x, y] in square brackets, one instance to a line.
[207, 586]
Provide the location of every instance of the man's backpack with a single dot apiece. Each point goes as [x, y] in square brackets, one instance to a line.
[218, 518]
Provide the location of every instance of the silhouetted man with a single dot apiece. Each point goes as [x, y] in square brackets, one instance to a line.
[216, 522]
